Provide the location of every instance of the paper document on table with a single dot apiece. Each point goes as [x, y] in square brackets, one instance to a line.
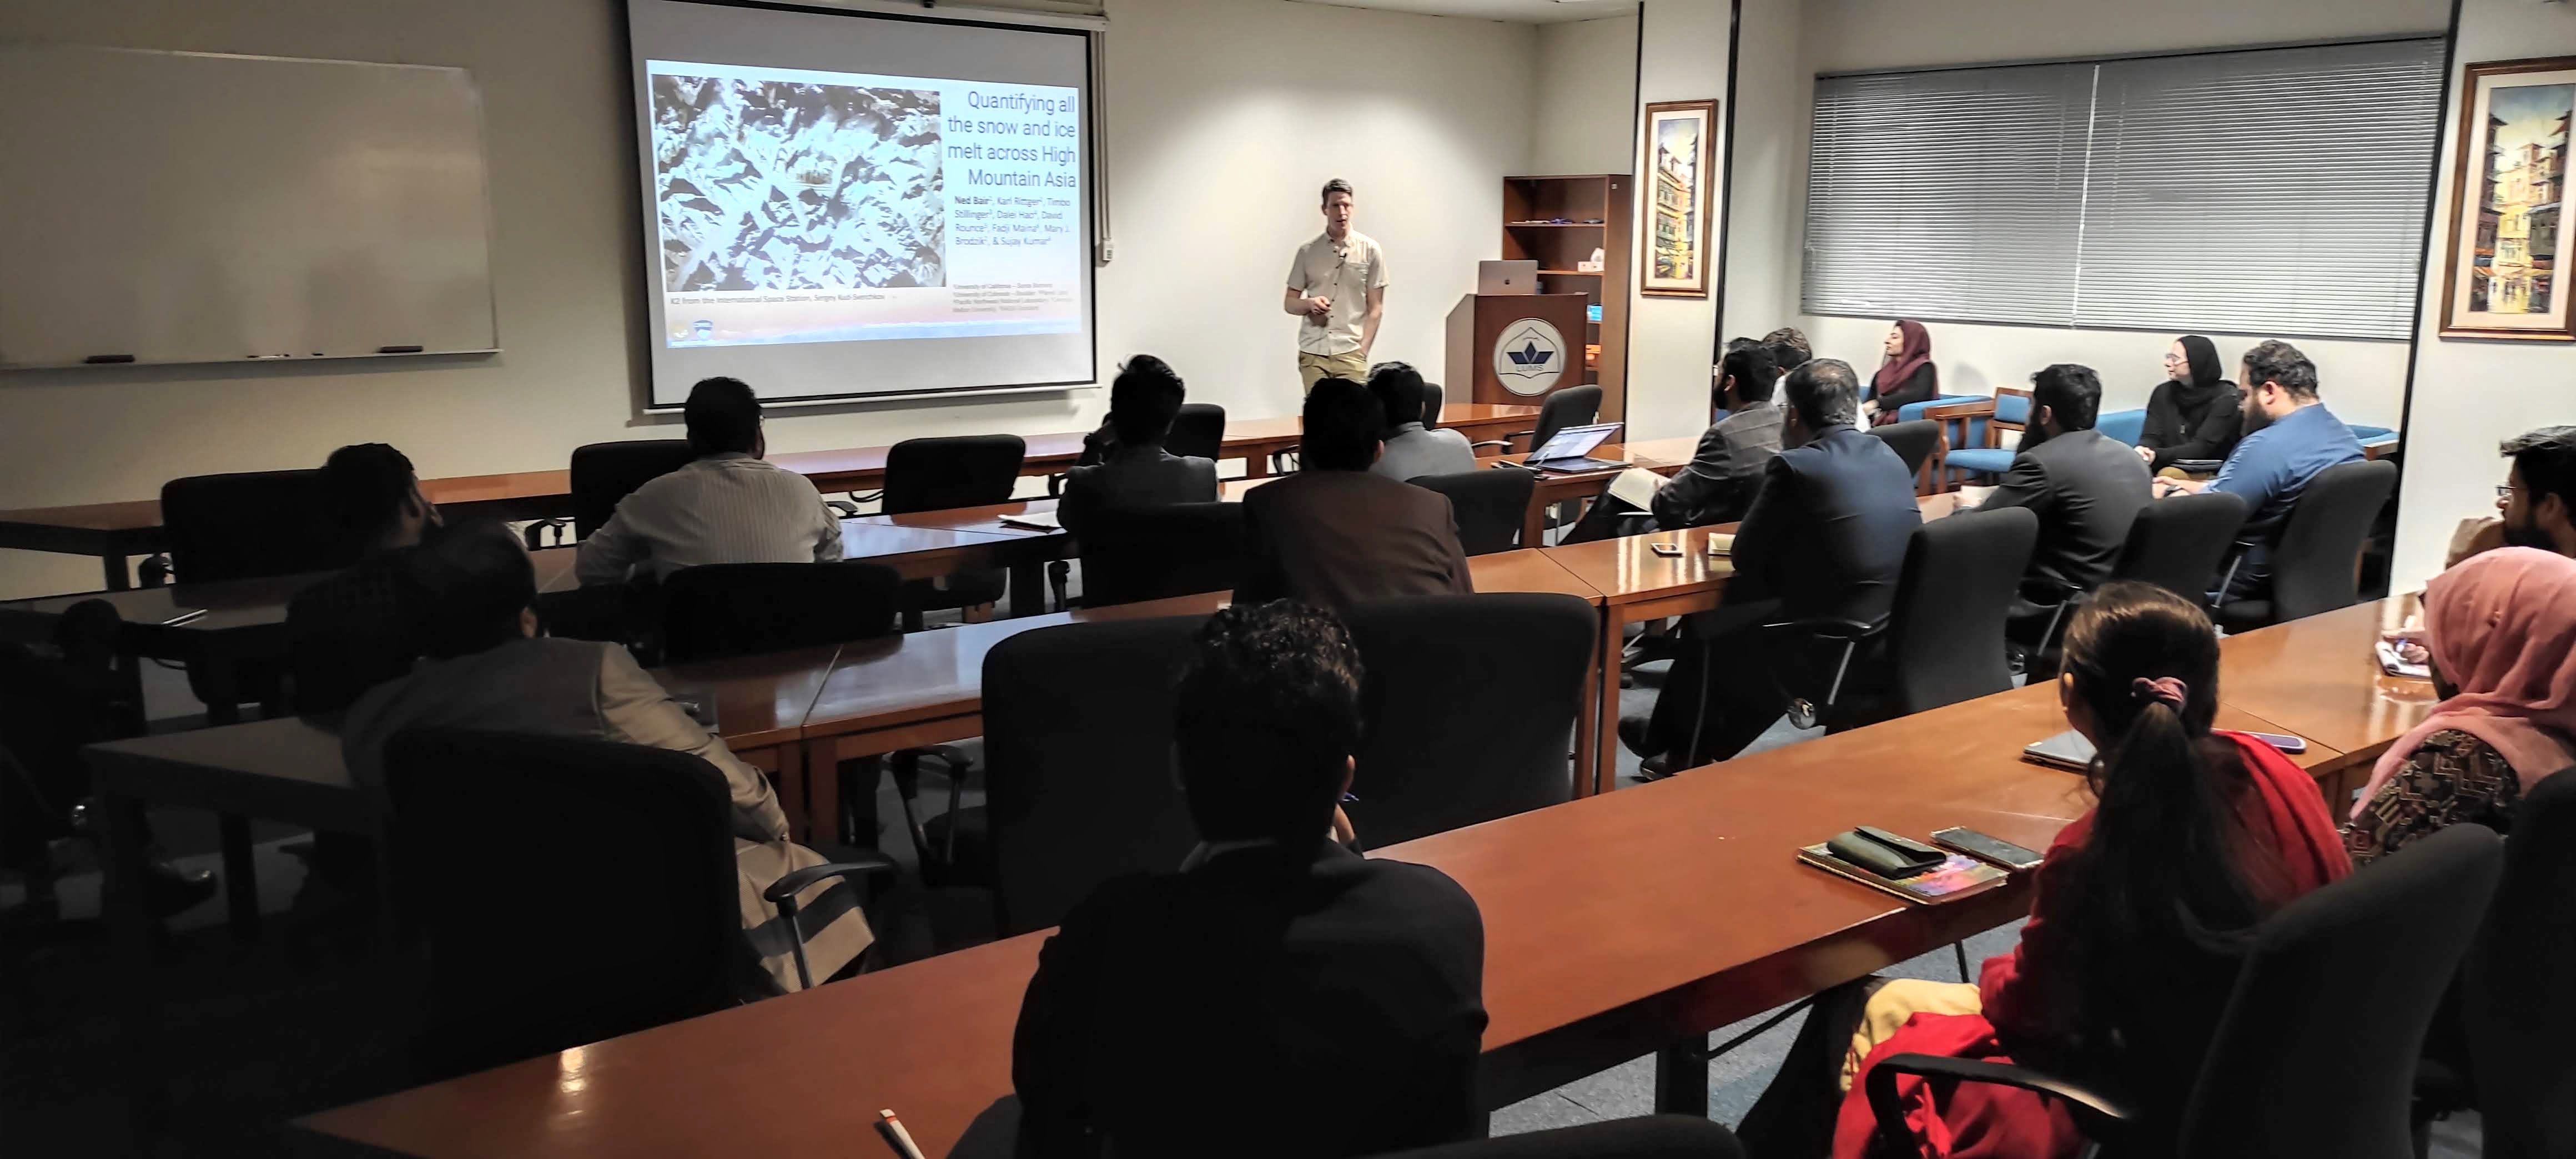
[1637, 486]
[1973, 496]
[2395, 663]
[1720, 543]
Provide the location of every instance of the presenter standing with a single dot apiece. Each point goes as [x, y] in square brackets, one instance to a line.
[1337, 287]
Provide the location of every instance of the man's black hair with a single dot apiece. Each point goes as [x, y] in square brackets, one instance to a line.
[1143, 400]
[723, 417]
[1267, 718]
[1343, 426]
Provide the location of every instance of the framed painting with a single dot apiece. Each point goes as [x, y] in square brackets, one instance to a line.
[1681, 162]
[2507, 251]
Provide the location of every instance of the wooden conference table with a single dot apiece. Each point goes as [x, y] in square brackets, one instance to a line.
[115, 532]
[1616, 925]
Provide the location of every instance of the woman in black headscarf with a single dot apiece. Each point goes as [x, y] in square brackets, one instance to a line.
[2194, 415]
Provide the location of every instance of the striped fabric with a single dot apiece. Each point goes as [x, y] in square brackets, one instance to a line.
[720, 509]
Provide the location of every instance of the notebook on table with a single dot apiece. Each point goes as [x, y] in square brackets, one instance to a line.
[1957, 876]
[2066, 750]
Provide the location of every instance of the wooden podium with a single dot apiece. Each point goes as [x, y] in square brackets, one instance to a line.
[1515, 348]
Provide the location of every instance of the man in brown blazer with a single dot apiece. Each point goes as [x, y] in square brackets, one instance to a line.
[489, 669]
[1335, 535]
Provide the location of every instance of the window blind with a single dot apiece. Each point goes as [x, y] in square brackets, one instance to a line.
[2261, 192]
[1947, 194]
[2276, 191]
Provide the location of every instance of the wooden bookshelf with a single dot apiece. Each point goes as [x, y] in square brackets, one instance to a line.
[1558, 222]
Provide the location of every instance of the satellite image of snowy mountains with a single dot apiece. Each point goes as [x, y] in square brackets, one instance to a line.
[770, 185]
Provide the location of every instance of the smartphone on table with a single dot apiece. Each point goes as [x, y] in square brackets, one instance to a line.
[1984, 848]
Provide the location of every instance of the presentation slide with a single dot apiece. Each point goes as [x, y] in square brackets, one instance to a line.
[834, 233]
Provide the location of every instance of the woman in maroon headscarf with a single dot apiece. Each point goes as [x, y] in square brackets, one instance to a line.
[1906, 376]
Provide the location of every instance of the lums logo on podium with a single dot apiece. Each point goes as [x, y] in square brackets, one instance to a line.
[1529, 357]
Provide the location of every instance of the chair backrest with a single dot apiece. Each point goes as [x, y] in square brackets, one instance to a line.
[1149, 553]
[1491, 506]
[2316, 565]
[1946, 639]
[1431, 397]
[2515, 1003]
[604, 473]
[738, 609]
[252, 524]
[1647, 1137]
[1198, 430]
[2179, 543]
[1470, 703]
[1912, 442]
[2012, 413]
[956, 471]
[2128, 426]
[623, 916]
[1571, 407]
[2316, 1051]
[1078, 751]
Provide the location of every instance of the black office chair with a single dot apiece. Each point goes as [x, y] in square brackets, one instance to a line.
[623, 913]
[2516, 1011]
[1490, 505]
[2316, 564]
[1648, 1137]
[1431, 399]
[1943, 639]
[1572, 406]
[250, 525]
[739, 609]
[1198, 430]
[605, 473]
[1470, 704]
[1913, 442]
[1151, 553]
[2178, 543]
[943, 473]
[52, 703]
[2316, 1050]
[1078, 741]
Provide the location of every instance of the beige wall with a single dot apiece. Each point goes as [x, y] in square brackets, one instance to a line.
[1224, 117]
[1586, 113]
[2471, 394]
[1669, 339]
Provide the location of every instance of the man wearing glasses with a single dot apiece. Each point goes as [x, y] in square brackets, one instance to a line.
[1337, 287]
[2536, 505]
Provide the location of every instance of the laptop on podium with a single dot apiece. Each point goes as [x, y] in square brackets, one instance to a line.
[1514, 277]
[1571, 449]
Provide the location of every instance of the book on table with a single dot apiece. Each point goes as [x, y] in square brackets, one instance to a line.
[1954, 877]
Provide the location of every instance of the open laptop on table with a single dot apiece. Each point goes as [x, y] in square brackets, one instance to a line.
[1571, 449]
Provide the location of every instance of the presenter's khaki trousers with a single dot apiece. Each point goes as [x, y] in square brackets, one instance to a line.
[1314, 368]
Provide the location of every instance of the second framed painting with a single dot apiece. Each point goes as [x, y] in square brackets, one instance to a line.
[2507, 251]
[1681, 157]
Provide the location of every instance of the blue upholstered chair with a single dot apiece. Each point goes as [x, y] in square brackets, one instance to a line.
[2376, 442]
[2128, 426]
[1976, 429]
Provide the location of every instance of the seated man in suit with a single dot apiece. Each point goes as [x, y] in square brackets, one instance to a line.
[1413, 450]
[1728, 466]
[1135, 470]
[2085, 486]
[730, 506]
[1279, 995]
[489, 669]
[353, 631]
[2289, 437]
[1825, 539]
[1335, 535]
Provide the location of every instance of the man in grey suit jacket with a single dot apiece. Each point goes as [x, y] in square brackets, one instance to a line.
[2085, 486]
[489, 669]
[1413, 450]
[1134, 469]
[1726, 469]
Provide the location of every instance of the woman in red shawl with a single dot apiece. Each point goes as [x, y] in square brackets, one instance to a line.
[2138, 914]
[1905, 376]
[2501, 628]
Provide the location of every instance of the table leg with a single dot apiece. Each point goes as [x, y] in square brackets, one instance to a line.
[215, 674]
[1605, 743]
[1256, 463]
[822, 779]
[1681, 1079]
[1028, 588]
[241, 880]
[1534, 522]
[118, 577]
[129, 913]
[1587, 722]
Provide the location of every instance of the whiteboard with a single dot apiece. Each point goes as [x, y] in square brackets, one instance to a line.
[193, 207]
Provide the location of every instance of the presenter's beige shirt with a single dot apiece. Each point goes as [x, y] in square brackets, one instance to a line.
[1345, 271]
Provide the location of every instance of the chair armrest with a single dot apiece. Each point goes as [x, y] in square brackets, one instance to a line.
[1505, 444]
[2097, 1114]
[870, 497]
[538, 533]
[947, 754]
[1833, 627]
[783, 891]
[843, 507]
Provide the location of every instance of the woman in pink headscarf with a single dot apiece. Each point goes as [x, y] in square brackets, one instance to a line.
[2502, 632]
[1906, 375]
